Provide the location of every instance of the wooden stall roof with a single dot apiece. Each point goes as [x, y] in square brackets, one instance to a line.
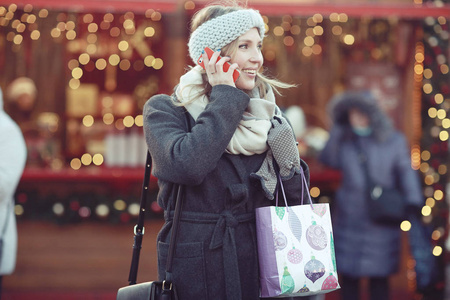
[353, 8]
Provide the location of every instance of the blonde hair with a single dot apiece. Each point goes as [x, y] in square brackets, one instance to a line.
[215, 10]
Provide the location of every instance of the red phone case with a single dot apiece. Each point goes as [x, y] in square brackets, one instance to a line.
[226, 65]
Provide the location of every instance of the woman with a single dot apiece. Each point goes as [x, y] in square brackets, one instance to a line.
[12, 162]
[225, 156]
[365, 248]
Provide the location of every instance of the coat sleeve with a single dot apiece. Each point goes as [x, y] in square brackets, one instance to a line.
[330, 153]
[12, 157]
[187, 157]
[408, 178]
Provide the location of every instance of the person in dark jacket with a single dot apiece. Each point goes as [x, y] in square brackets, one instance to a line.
[365, 248]
[222, 140]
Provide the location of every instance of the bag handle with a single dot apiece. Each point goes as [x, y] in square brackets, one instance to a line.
[304, 184]
[139, 227]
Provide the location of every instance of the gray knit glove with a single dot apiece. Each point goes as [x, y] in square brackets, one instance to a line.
[282, 142]
[267, 176]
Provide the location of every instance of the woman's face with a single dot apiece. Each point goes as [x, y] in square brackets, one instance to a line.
[358, 119]
[249, 58]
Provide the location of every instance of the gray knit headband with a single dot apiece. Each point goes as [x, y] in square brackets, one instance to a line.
[222, 30]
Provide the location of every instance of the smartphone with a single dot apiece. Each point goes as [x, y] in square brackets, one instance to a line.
[226, 65]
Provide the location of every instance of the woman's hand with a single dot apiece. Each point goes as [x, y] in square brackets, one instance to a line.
[215, 72]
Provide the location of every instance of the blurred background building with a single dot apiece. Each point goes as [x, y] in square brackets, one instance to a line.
[77, 74]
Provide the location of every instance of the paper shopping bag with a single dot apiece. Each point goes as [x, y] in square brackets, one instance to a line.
[296, 250]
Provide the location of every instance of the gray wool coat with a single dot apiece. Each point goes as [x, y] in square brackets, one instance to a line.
[364, 248]
[216, 254]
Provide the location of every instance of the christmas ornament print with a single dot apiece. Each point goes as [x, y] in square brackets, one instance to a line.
[314, 269]
[294, 256]
[280, 211]
[295, 225]
[316, 236]
[287, 282]
[330, 283]
[320, 210]
[333, 255]
[304, 289]
[279, 240]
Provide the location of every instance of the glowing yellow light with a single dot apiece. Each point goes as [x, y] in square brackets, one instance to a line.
[123, 45]
[92, 38]
[307, 51]
[97, 159]
[55, 33]
[343, 18]
[426, 210]
[444, 69]
[438, 98]
[278, 31]
[120, 204]
[446, 123]
[18, 209]
[139, 120]
[189, 5]
[443, 136]
[436, 235]
[156, 16]
[437, 250]
[149, 31]
[419, 57]
[349, 39]
[427, 88]
[315, 192]
[317, 18]
[93, 27]
[432, 112]
[425, 155]
[35, 35]
[21, 27]
[75, 163]
[108, 118]
[316, 49]
[158, 64]
[441, 114]
[430, 202]
[128, 121]
[74, 83]
[427, 73]
[84, 58]
[43, 13]
[442, 169]
[77, 73]
[308, 41]
[88, 120]
[424, 167]
[405, 225]
[128, 24]
[418, 69]
[109, 17]
[336, 30]
[114, 60]
[334, 17]
[438, 195]
[295, 29]
[18, 39]
[100, 64]
[86, 159]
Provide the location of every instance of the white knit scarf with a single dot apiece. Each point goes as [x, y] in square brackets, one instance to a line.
[250, 136]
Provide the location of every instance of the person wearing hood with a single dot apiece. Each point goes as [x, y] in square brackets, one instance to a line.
[222, 139]
[12, 163]
[365, 248]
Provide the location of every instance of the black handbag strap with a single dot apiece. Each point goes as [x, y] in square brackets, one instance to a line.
[139, 227]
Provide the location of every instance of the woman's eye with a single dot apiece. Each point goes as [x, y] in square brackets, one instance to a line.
[244, 46]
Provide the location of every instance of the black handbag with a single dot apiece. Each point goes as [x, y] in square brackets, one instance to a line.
[386, 205]
[165, 289]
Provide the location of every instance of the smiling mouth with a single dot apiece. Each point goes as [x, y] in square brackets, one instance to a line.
[249, 72]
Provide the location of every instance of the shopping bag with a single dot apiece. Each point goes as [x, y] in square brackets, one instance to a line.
[296, 249]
